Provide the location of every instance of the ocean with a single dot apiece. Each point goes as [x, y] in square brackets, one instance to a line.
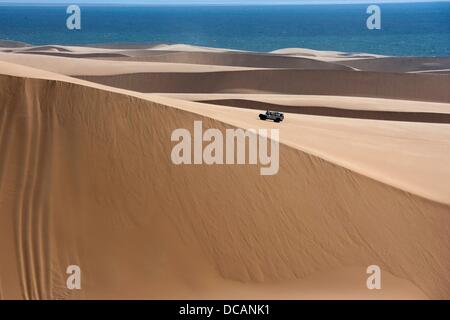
[419, 29]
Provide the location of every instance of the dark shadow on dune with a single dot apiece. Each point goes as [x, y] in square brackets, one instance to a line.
[75, 55]
[404, 86]
[429, 117]
[236, 59]
[43, 48]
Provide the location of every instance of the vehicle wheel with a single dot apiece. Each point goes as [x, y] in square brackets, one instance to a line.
[262, 118]
[277, 120]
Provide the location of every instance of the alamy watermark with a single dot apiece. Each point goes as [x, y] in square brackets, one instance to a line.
[228, 150]
[73, 281]
[373, 22]
[374, 280]
[73, 22]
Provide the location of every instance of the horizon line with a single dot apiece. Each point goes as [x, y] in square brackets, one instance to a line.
[221, 3]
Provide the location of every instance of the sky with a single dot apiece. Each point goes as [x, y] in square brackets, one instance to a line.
[161, 2]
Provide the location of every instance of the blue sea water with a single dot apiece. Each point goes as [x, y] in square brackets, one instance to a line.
[419, 29]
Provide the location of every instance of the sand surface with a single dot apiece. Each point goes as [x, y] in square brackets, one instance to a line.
[86, 176]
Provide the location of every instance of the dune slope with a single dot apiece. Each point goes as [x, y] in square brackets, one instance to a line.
[86, 179]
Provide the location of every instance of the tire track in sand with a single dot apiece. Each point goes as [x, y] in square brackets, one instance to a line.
[30, 225]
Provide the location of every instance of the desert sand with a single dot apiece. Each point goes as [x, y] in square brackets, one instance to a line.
[86, 177]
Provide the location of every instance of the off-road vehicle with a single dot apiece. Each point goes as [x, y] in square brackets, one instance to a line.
[272, 115]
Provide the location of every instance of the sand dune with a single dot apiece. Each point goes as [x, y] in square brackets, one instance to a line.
[305, 132]
[189, 55]
[44, 48]
[437, 71]
[433, 117]
[401, 64]
[168, 77]
[57, 53]
[86, 179]
[54, 206]
[65, 65]
[341, 102]
[323, 55]
[416, 149]
[166, 69]
[236, 59]
[421, 87]
[298, 58]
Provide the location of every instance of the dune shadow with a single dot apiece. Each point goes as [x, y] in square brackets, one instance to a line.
[428, 117]
[76, 55]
